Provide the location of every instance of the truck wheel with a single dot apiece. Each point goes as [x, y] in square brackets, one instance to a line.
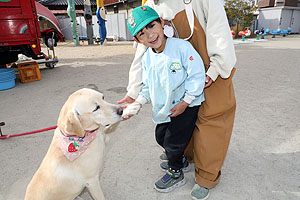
[7, 58]
[50, 65]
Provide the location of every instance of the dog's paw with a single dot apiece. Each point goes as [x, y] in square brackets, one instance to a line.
[132, 109]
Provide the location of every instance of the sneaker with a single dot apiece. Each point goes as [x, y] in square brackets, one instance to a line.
[170, 181]
[186, 166]
[199, 192]
[163, 157]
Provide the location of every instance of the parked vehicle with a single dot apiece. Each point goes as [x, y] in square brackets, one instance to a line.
[20, 31]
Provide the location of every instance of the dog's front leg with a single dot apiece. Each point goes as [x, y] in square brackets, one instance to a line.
[95, 189]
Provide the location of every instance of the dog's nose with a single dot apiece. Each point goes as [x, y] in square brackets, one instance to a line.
[120, 111]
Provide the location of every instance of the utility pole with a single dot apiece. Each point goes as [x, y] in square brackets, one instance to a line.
[88, 16]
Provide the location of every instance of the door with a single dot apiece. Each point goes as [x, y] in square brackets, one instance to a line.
[295, 21]
[285, 19]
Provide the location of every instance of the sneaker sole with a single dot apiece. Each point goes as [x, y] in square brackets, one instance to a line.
[184, 170]
[162, 160]
[179, 184]
[200, 199]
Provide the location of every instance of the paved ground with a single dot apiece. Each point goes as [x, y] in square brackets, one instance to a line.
[263, 159]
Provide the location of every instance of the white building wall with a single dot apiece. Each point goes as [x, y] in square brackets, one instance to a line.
[269, 18]
[282, 17]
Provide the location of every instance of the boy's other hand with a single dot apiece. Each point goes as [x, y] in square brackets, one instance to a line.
[126, 117]
[126, 99]
[208, 81]
[178, 109]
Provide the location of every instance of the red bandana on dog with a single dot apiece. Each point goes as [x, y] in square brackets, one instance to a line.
[74, 146]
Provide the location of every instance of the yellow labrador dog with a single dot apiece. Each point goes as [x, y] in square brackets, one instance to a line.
[75, 155]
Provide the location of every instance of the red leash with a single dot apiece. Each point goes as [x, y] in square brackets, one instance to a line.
[27, 133]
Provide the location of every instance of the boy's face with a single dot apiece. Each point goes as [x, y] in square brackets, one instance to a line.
[152, 36]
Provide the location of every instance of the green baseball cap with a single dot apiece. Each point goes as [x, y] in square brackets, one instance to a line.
[139, 18]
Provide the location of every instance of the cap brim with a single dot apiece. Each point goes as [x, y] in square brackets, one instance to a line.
[145, 23]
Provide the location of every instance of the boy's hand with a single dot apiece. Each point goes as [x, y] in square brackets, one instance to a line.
[126, 99]
[178, 109]
[208, 81]
[132, 109]
[126, 117]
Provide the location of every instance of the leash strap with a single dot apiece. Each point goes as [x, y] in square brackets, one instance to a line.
[27, 133]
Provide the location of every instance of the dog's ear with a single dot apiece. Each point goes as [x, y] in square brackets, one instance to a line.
[73, 124]
[69, 123]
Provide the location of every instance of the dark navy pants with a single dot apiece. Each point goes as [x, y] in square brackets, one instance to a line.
[174, 136]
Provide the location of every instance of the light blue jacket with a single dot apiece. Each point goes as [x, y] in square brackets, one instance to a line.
[170, 75]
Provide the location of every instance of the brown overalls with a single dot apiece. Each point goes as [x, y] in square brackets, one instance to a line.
[210, 141]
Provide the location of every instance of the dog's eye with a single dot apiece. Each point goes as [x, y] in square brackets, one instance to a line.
[97, 108]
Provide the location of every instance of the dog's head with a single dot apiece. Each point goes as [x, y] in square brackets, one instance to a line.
[86, 110]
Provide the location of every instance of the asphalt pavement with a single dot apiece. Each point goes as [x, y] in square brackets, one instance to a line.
[263, 160]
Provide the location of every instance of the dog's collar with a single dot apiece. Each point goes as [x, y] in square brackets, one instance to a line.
[73, 146]
[86, 133]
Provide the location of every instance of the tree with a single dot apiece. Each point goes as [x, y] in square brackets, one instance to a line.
[240, 13]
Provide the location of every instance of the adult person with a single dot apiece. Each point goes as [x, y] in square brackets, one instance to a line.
[209, 33]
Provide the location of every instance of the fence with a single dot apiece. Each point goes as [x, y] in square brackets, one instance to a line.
[115, 26]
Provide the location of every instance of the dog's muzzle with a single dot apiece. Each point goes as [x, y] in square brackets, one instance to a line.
[120, 111]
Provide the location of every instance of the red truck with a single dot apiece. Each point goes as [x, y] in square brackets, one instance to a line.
[19, 30]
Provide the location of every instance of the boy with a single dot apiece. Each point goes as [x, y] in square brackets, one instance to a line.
[173, 81]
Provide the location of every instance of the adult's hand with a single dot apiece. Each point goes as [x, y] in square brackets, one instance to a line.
[126, 99]
[208, 81]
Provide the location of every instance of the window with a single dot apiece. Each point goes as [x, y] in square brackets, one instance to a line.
[116, 9]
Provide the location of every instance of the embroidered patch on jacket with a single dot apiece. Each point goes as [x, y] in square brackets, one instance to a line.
[175, 66]
[131, 21]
